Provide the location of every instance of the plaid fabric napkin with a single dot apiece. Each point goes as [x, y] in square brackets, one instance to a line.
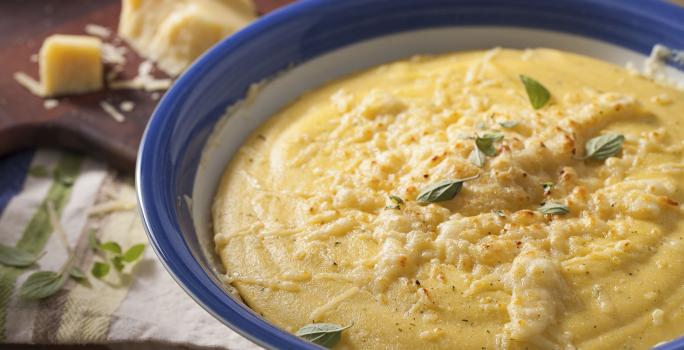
[141, 307]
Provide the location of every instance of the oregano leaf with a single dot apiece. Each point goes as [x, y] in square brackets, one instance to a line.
[41, 284]
[111, 247]
[100, 269]
[442, 190]
[604, 146]
[118, 263]
[553, 208]
[397, 202]
[11, 256]
[323, 334]
[133, 253]
[77, 274]
[508, 124]
[485, 143]
[536, 92]
[477, 157]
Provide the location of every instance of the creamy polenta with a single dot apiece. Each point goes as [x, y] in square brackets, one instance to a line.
[322, 215]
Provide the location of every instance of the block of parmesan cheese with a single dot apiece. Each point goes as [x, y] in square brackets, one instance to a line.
[70, 64]
[173, 33]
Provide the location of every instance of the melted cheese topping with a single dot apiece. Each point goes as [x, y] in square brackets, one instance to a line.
[308, 196]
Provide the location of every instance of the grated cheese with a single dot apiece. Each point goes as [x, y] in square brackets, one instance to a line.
[318, 312]
[266, 282]
[32, 85]
[114, 54]
[111, 110]
[98, 30]
[127, 106]
[50, 104]
[144, 80]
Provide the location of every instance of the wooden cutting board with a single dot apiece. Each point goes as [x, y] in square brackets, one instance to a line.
[77, 122]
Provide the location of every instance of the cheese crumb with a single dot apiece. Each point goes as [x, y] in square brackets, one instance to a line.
[98, 30]
[50, 103]
[658, 317]
[127, 106]
[662, 99]
[114, 54]
[433, 334]
[107, 107]
[32, 85]
[144, 80]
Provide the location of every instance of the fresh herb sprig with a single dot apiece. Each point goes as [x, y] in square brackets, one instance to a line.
[323, 334]
[484, 146]
[113, 252]
[42, 284]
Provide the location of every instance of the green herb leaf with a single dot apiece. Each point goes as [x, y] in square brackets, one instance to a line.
[39, 171]
[554, 208]
[500, 213]
[118, 263]
[111, 247]
[508, 124]
[485, 143]
[41, 284]
[93, 241]
[396, 202]
[477, 157]
[604, 146]
[16, 257]
[442, 191]
[323, 334]
[547, 186]
[77, 274]
[136, 251]
[536, 92]
[100, 269]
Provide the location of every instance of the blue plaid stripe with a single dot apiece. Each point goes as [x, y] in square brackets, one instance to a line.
[13, 171]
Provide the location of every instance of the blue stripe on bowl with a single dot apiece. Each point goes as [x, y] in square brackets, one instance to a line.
[176, 134]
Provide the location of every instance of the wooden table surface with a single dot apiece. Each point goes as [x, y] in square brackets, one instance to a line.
[78, 122]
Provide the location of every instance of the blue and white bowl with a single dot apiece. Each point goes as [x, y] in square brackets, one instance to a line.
[187, 144]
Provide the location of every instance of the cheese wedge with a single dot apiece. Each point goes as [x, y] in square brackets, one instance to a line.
[70, 64]
[173, 33]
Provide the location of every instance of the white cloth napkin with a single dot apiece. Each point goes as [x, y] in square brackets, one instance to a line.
[140, 308]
